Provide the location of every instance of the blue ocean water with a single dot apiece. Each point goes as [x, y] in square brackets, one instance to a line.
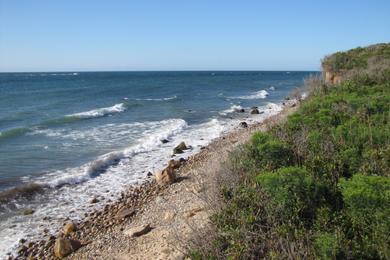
[82, 134]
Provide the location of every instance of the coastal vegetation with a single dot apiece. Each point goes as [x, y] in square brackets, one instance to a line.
[317, 185]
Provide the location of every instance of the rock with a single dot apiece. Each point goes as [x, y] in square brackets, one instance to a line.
[64, 247]
[287, 98]
[167, 176]
[149, 174]
[192, 212]
[169, 215]
[255, 111]
[138, 231]
[293, 105]
[94, 200]
[28, 212]
[240, 110]
[124, 213]
[69, 228]
[180, 148]
[174, 164]
[164, 141]
[182, 160]
[243, 124]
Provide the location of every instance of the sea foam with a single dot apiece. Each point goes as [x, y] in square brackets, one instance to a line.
[255, 95]
[99, 112]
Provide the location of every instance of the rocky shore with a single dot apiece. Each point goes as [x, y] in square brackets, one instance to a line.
[159, 219]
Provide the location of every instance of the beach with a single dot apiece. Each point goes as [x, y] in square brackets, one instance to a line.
[174, 217]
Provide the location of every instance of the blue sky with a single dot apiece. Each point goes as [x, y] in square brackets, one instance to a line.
[73, 35]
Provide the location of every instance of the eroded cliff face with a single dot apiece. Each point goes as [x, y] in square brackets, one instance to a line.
[332, 78]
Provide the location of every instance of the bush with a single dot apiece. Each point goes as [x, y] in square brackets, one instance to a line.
[367, 211]
[294, 195]
[269, 153]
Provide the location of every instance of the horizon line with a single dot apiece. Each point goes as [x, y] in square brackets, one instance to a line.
[217, 70]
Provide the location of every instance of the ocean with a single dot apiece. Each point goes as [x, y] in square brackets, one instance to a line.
[66, 138]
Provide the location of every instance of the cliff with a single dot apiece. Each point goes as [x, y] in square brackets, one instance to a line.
[373, 60]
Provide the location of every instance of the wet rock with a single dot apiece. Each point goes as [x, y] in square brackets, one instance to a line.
[180, 148]
[64, 247]
[149, 174]
[182, 160]
[164, 141]
[94, 200]
[244, 124]
[138, 231]
[287, 98]
[28, 212]
[255, 111]
[69, 228]
[124, 213]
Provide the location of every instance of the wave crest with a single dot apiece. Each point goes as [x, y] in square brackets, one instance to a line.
[255, 95]
[100, 112]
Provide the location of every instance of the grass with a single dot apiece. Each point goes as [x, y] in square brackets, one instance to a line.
[316, 186]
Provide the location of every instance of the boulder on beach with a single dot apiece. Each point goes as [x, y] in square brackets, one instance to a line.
[244, 124]
[64, 247]
[124, 213]
[174, 164]
[69, 228]
[138, 231]
[166, 176]
[180, 148]
[255, 111]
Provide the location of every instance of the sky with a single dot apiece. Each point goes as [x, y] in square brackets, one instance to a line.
[97, 35]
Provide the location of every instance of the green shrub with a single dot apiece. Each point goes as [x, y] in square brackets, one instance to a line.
[367, 211]
[269, 153]
[293, 193]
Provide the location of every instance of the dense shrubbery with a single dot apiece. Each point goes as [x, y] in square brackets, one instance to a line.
[318, 185]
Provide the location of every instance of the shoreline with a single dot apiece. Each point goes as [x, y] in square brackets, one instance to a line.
[138, 201]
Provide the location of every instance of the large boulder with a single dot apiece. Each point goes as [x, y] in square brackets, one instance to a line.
[180, 148]
[69, 228]
[174, 164]
[64, 247]
[166, 176]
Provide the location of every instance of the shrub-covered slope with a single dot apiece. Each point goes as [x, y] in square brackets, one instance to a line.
[318, 185]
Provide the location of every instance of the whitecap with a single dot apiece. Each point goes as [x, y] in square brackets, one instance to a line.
[99, 112]
[157, 99]
[255, 95]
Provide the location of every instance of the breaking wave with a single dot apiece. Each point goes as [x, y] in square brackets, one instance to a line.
[255, 95]
[100, 112]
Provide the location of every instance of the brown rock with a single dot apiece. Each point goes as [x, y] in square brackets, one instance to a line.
[64, 247]
[94, 200]
[192, 212]
[166, 177]
[138, 231]
[69, 228]
[174, 164]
